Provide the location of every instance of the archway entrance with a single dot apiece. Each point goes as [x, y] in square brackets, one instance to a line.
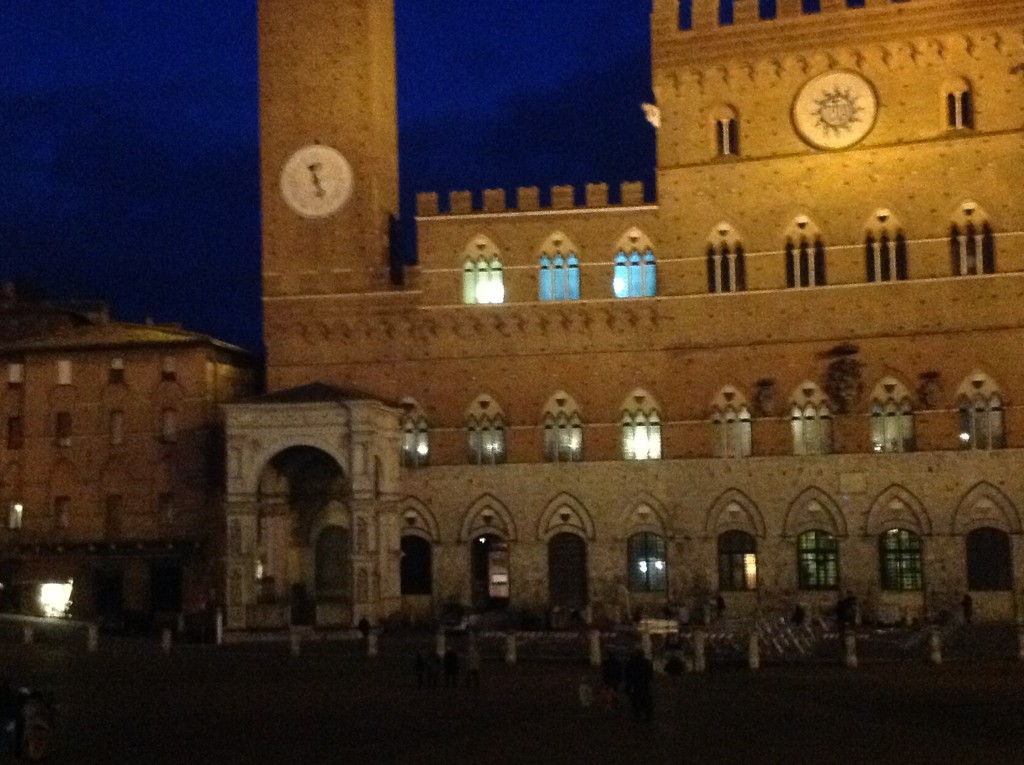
[567, 572]
[490, 572]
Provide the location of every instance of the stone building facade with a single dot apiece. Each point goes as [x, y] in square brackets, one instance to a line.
[790, 372]
[111, 460]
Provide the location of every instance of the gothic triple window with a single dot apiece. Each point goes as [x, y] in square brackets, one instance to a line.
[805, 255]
[559, 270]
[980, 408]
[811, 421]
[885, 249]
[641, 427]
[892, 418]
[485, 425]
[972, 245]
[635, 273]
[959, 105]
[415, 436]
[725, 265]
[482, 280]
[563, 429]
[731, 420]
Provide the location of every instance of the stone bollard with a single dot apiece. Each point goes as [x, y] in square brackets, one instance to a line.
[218, 628]
[645, 644]
[165, 640]
[595, 647]
[510, 648]
[699, 654]
[935, 647]
[295, 641]
[440, 645]
[92, 638]
[28, 634]
[753, 651]
[850, 650]
[371, 644]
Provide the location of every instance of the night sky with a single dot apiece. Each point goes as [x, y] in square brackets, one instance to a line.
[129, 143]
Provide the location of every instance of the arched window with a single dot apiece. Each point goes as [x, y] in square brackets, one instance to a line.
[892, 418]
[885, 249]
[727, 132]
[559, 269]
[730, 416]
[482, 280]
[416, 567]
[900, 556]
[641, 428]
[647, 561]
[415, 435]
[972, 245]
[805, 254]
[989, 563]
[726, 268]
[737, 561]
[635, 273]
[811, 421]
[485, 425]
[959, 105]
[563, 429]
[817, 561]
[980, 408]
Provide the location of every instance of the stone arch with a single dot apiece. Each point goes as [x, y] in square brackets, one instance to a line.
[814, 508]
[557, 243]
[565, 513]
[897, 507]
[488, 515]
[417, 519]
[986, 505]
[268, 451]
[644, 512]
[733, 509]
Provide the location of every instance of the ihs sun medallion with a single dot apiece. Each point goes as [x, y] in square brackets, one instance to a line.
[837, 111]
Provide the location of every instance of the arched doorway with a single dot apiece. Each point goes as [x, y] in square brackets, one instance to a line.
[416, 568]
[489, 571]
[567, 571]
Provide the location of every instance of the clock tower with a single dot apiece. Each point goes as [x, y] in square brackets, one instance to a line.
[328, 150]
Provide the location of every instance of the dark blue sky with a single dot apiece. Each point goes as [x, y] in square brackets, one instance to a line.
[129, 145]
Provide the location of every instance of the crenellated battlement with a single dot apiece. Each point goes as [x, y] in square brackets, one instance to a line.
[528, 199]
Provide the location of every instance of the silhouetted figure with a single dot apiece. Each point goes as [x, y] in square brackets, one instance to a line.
[720, 606]
[968, 606]
[799, 615]
[639, 681]
[611, 680]
[451, 668]
[364, 627]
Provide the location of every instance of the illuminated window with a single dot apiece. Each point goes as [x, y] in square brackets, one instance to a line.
[559, 269]
[727, 132]
[482, 281]
[892, 418]
[415, 435]
[726, 267]
[62, 428]
[989, 562]
[115, 375]
[811, 421]
[15, 432]
[636, 272]
[641, 428]
[15, 515]
[15, 374]
[972, 245]
[980, 411]
[737, 561]
[563, 429]
[817, 561]
[486, 430]
[901, 558]
[730, 416]
[64, 372]
[648, 562]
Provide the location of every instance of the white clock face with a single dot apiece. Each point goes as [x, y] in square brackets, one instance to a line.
[316, 181]
[835, 110]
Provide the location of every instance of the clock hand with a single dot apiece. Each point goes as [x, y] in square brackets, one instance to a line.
[320, 191]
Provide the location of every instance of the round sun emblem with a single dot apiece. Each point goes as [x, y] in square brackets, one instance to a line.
[835, 110]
